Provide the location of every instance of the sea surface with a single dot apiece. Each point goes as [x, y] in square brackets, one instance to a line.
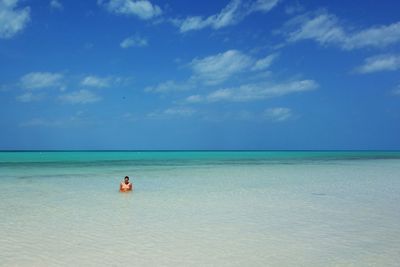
[200, 208]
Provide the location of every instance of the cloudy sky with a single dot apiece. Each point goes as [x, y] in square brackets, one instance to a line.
[228, 74]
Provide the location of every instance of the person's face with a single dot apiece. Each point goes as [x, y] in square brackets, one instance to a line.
[127, 180]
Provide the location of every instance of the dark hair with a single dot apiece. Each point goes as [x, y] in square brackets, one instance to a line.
[127, 177]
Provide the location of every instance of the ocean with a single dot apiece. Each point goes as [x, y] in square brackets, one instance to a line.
[200, 208]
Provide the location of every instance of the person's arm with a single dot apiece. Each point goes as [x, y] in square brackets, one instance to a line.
[130, 186]
[120, 187]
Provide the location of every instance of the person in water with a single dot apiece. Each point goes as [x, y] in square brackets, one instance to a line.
[125, 185]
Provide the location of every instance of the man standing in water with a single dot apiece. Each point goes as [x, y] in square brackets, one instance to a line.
[125, 186]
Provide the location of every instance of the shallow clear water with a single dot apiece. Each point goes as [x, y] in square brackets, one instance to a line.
[200, 209]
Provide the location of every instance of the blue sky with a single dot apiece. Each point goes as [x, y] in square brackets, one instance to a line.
[235, 74]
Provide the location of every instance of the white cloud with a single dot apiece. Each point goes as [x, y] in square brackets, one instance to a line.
[80, 97]
[265, 62]
[252, 92]
[77, 119]
[323, 28]
[228, 16]
[37, 83]
[39, 80]
[95, 81]
[29, 97]
[12, 19]
[234, 12]
[327, 29]
[232, 94]
[262, 5]
[56, 4]
[294, 8]
[134, 41]
[171, 86]
[173, 112]
[278, 114]
[142, 9]
[39, 122]
[215, 69]
[103, 82]
[220, 67]
[386, 62]
[194, 99]
[377, 36]
[181, 111]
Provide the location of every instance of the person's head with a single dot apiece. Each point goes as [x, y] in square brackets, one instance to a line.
[126, 179]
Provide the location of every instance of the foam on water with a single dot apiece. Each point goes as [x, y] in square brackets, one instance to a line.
[218, 210]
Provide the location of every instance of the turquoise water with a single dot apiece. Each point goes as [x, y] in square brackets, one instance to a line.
[243, 208]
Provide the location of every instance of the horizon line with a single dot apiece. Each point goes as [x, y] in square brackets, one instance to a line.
[199, 150]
